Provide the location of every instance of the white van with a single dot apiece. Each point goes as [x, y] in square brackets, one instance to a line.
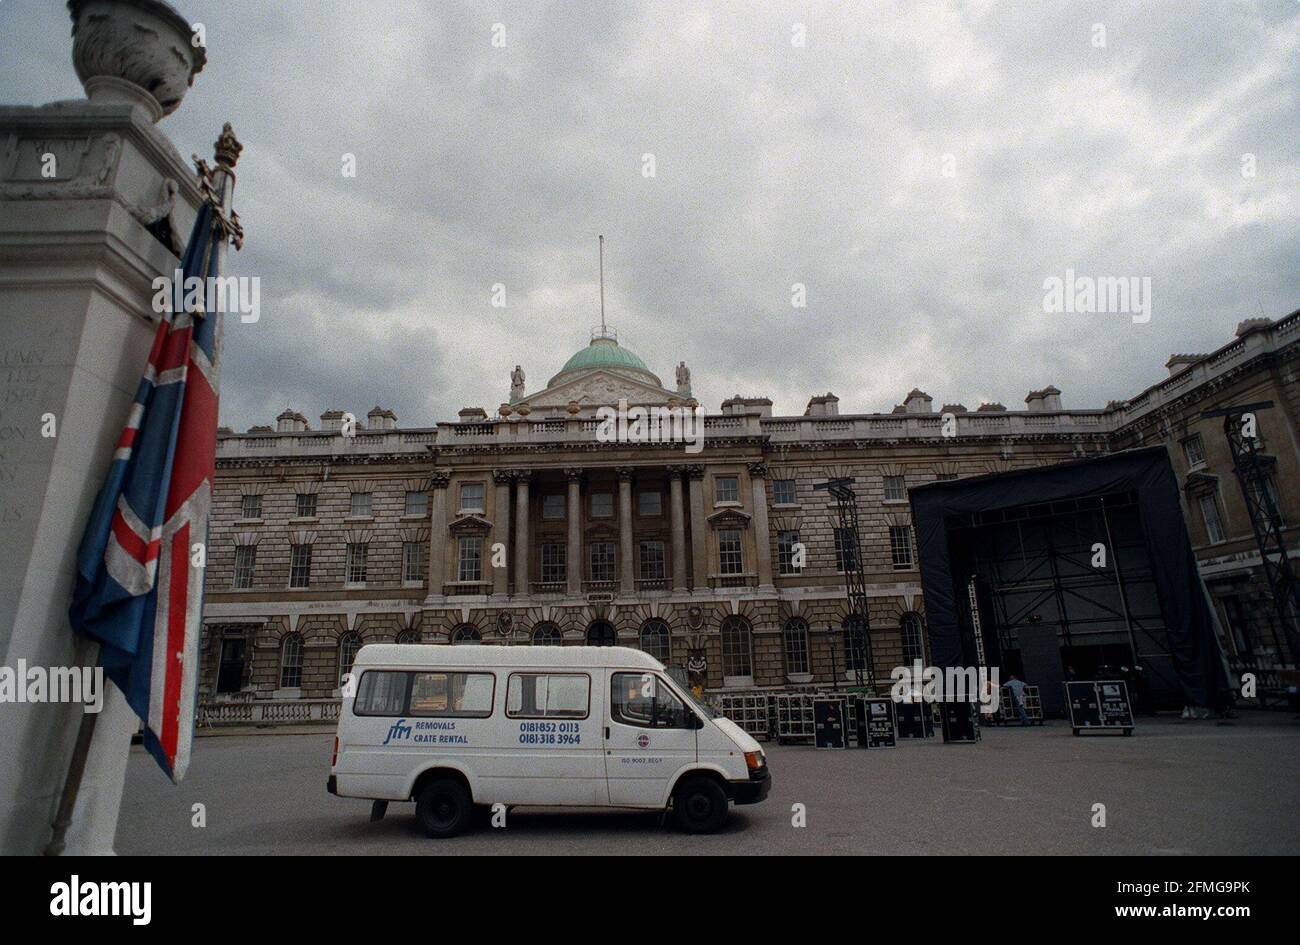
[458, 727]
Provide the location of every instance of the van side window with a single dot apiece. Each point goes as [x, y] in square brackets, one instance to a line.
[465, 695]
[642, 699]
[548, 696]
[382, 693]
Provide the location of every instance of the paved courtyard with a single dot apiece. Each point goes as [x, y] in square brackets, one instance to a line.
[1175, 787]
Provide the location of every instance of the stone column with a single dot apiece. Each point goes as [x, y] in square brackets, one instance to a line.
[762, 543]
[522, 480]
[699, 545]
[677, 516]
[501, 531]
[573, 509]
[438, 534]
[80, 185]
[626, 583]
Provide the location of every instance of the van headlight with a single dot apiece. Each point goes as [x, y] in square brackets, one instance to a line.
[754, 760]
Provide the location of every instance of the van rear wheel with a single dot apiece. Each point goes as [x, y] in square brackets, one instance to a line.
[444, 808]
[700, 805]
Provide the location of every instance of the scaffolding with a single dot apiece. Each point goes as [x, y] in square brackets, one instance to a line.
[1252, 469]
[857, 627]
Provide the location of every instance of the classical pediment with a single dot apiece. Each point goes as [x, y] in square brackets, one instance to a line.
[470, 524]
[598, 388]
[729, 518]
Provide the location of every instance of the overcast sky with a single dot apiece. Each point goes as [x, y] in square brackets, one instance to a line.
[775, 164]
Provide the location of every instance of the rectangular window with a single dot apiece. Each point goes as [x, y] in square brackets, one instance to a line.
[726, 489]
[600, 557]
[382, 692]
[1213, 523]
[1194, 450]
[463, 695]
[645, 701]
[895, 489]
[846, 550]
[471, 497]
[553, 561]
[412, 562]
[652, 560]
[469, 559]
[731, 559]
[360, 507]
[355, 563]
[300, 565]
[548, 696]
[245, 561]
[650, 504]
[783, 491]
[417, 504]
[305, 505]
[553, 507]
[785, 552]
[251, 506]
[900, 546]
[602, 505]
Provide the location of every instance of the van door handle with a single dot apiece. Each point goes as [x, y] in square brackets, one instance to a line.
[606, 733]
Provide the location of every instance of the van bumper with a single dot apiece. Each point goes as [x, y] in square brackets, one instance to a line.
[753, 790]
[332, 785]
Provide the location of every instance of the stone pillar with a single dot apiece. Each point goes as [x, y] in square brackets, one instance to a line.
[501, 531]
[762, 543]
[677, 516]
[81, 185]
[522, 480]
[573, 509]
[626, 583]
[699, 544]
[439, 482]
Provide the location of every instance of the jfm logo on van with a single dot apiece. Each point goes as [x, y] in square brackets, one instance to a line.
[643, 741]
[439, 733]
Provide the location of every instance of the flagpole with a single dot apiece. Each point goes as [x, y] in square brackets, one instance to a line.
[218, 187]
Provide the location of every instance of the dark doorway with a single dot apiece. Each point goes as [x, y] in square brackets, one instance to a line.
[230, 671]
[601, 633]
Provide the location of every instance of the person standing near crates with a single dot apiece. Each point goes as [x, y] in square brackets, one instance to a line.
[1018, 687]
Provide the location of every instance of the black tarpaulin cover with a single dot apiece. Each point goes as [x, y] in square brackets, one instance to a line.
[1191, 637]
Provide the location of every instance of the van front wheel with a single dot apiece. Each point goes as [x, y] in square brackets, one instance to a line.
[700, 805]
[444, 808]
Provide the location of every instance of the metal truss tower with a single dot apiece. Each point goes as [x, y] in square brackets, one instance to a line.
[858, 629]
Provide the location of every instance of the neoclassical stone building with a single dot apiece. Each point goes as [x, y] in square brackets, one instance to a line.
[526, 527]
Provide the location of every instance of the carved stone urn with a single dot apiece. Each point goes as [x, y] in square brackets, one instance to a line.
[139, 52]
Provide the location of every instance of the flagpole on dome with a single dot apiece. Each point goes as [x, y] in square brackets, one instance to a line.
[217, 186]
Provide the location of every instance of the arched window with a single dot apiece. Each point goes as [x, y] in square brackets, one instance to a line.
[737, 648]
[795, 638]
[654, 640]
[601, 633]
[349, 644]
[855, 644]
[547, 634]
[409, 636]
[913, 639]
[291, 661]
[466, 634]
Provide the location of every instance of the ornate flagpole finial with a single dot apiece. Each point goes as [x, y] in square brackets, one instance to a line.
[227, 148]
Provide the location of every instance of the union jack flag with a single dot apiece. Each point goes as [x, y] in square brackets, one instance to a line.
[139, 588]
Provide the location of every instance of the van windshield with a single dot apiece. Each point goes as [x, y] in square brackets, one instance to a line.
[698, 706]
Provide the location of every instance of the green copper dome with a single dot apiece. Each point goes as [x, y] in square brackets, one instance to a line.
[604, 352]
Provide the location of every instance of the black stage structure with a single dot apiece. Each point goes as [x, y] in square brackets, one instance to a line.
[1020, 550]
